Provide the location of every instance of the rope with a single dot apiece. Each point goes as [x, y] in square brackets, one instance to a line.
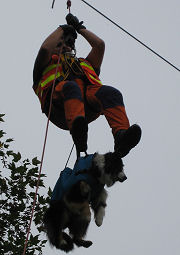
[44, 145]
[53, 4]
[69, 5]
[132, 36]
[69, 156]
[42, 157]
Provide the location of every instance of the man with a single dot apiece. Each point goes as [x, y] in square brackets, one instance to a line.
[79, 96]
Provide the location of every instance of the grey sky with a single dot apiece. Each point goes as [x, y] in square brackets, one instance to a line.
[143, 213]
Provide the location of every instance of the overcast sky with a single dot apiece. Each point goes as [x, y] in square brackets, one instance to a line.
[143, 213]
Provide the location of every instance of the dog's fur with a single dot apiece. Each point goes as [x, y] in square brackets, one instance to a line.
[73, 211]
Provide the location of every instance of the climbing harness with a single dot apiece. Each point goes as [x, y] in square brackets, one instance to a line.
[69, 63]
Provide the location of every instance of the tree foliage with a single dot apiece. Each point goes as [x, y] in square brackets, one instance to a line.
[18, 179]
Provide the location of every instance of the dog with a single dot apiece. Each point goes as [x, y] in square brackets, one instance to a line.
[73, 210]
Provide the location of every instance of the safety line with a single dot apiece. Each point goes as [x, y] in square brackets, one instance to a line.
[69, 156]
[42, 158]
[53, 4]
[132, 36]
[68, 5]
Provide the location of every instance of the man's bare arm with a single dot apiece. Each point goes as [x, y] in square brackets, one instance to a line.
[95, 57]
[45, 52]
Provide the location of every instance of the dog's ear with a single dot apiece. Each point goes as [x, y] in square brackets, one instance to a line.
[109, 162]
[113, 161]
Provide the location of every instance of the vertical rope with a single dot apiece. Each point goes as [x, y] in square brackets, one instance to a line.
[53, 4]
[45, 140]
[42, 157]
[69, 156]
[69, 5]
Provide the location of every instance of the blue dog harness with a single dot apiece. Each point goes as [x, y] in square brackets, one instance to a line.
[69, 177]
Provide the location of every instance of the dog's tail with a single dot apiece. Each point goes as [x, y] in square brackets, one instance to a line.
[54, 232]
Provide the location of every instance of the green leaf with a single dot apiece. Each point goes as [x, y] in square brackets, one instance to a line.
[35, 161]
[32, 195]
[44, 241]
[1, 153]
[9, 140]
[17, 200]
[6, 146]
[9, 153]
[32, 184]
[50, 192]
[12, 166]
[17, 156]
[21, 170]
[1, 117]
[41, 200]
[43, 175]
[1, 145]
[41, 183]
[2, 133]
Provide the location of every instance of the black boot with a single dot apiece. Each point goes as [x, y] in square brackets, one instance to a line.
[126, 139]
[79, 133]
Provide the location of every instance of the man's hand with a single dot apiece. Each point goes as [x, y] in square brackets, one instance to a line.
[73, 21]
[69, 30]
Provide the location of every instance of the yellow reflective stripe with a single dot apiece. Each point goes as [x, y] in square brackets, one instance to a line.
[86, 65]
[92, 77]
[49, 68]
[50, 78]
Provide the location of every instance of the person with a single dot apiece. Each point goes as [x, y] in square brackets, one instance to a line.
[79, 97]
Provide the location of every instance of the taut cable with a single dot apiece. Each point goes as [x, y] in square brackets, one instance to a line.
[133, 36]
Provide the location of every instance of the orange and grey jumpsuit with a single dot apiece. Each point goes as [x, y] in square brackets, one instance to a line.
[79, 92]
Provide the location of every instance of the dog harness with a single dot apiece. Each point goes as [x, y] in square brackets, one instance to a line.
[69, 177]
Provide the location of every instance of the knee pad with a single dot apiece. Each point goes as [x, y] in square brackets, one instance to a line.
[71, 90]
[109, 97]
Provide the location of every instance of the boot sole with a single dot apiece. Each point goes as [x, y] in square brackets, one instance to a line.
[130, 139]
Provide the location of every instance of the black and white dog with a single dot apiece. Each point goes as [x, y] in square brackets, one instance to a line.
[72, 211]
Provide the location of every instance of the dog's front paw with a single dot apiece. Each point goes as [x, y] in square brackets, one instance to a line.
[99, 216]
[99, 222]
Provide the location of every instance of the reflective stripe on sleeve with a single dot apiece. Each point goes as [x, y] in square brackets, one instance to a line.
[49, 68]
[49, 79]
[92, 77]
[86, 65]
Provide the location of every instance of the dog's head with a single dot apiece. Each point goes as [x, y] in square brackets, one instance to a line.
[108, 168]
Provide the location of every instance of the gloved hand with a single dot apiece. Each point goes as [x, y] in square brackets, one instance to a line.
[69, 30]
[73, 21]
